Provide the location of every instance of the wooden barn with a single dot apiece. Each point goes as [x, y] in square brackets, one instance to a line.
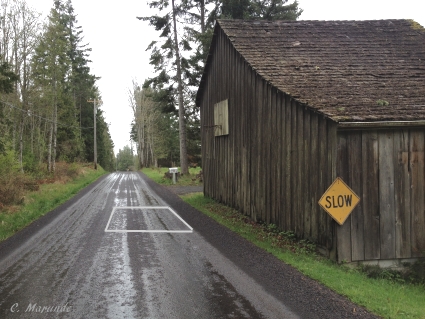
[288, 106]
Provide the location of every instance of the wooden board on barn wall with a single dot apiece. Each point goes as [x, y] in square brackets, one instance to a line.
[315, 172]
[354, 146]
[274, 139]
[386, 194]
[323, 180]
[343, 236]
[251, 147]
[370, 194]
[280, 123]
[333, 152]
[299, 211]
[261, 182]
[307, 209]
[266, 154]
[283, 210]
[402, 194]
[288, 168]
[417, 169]
[294, 159]
[331, 132]
[221, 118]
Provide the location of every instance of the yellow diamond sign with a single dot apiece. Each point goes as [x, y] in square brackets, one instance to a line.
[339, 201]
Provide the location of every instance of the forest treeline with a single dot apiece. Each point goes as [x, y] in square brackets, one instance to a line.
[46, 87]
[166, 125]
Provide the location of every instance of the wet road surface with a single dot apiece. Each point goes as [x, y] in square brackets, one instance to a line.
[128, 248]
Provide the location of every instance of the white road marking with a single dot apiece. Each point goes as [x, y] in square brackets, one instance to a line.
[190, 230]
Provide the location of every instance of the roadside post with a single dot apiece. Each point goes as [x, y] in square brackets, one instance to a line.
[174, 171]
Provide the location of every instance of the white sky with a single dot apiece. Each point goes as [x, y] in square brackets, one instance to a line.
[118, 41]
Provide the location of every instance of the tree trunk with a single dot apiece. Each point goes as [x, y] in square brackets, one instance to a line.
[49, 154]
[55, 133]
[21, 142]
[184, 169]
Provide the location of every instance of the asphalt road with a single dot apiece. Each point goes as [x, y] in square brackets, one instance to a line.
[126, 247]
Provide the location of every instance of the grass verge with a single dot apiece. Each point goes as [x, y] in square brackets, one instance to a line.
[38, 203]
[157, 175]
[386, 298]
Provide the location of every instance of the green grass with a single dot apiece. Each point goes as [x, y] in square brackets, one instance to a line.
[38, 203]
[157, 175]
[386, 298]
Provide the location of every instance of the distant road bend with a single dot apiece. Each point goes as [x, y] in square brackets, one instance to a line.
[126, 247]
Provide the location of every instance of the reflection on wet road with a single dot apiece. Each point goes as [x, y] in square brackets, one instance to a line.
[72, 268]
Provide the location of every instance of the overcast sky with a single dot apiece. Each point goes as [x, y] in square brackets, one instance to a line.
[119, 40]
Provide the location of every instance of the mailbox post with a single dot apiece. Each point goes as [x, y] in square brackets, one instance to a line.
[174, 171]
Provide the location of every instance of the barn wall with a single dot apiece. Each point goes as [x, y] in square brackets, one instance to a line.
[278, 158]
[386, 169]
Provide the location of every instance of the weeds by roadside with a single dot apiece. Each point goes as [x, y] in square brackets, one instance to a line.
[413, 273]
[158, 175]
[46, 194]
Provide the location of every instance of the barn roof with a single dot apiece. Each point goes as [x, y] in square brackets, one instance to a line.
[346, 70]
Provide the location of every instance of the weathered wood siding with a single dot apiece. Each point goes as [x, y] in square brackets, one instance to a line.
[386, 169]
[278, 158]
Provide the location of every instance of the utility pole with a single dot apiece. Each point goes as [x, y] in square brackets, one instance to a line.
[94, 125]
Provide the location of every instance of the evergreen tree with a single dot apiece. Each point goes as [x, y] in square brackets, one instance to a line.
[260, 9]
[154, 132]
[125, 159]
[165, 58]
[50, 70]
[8, 78]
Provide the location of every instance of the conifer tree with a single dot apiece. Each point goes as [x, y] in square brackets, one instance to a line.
[165, 58]
[50, 69]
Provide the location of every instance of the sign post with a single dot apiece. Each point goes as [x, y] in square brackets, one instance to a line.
[174, 171]
[339, 201]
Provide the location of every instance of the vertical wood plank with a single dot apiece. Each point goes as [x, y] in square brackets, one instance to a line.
[323, 179]
[280, 126]
[253, 150]
[332, 145]
[274, 144]
[266, 156]
[264, 179]
[343, 232]
[315, 188]
[259, 185]
[299, 161]
[402, 194]
[283, 207]
[386, 194]
[288, 173]
[306, 176]
[354, 149]
[294, 166]
[370, 195]
[416, 164]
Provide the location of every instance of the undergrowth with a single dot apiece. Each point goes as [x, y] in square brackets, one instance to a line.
[45, 194]
[159, 176]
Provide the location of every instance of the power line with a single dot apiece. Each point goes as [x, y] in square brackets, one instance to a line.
[29, 113]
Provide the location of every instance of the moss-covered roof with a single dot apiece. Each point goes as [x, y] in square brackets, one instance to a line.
[347, 70]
